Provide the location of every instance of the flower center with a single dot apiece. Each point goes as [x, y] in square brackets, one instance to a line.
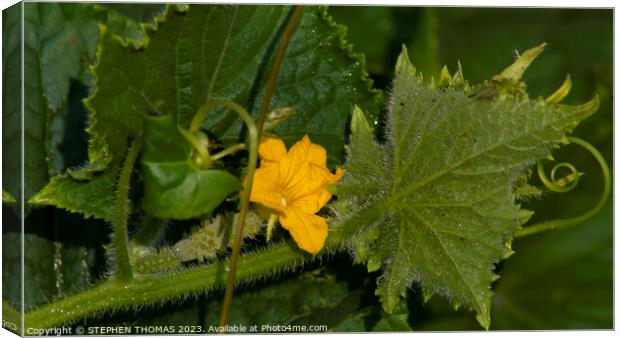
[283, 201]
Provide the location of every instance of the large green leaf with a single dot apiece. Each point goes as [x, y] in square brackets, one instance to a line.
[60, 41]
[59, 44]
[214, 52]
[174, 186]
[434, 205]
[11, 108]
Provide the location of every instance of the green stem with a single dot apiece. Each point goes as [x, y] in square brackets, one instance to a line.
[230, 150]
[111, 294]
[568, 183]
[273, 77]
[121, 245]
[245, 199]
[566, 222]
[201, 145]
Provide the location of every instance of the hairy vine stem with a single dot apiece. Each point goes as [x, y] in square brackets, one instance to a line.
[121, 241]
[560, 185]
[111, 295]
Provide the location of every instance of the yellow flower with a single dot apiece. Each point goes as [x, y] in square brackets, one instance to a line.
[293, 185]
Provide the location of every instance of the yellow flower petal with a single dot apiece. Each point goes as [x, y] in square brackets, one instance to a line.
[264, 189]
[271, 149]
[308, 179]
[309, 231]
[293, 184]
[311, 204]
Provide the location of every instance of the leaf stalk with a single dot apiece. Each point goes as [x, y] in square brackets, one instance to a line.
[121, 241]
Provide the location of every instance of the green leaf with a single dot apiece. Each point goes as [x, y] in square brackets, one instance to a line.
[92, 199]
[205, 65]
[215, 52]
[174, 187]
[11, 108]
[60, 41]
[560, 280]
[435, 204]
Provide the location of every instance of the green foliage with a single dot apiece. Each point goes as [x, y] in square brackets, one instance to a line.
[175, 187]
[95, 198]
[431, 198]
[137, 78]
[11, 109]
[435, 203]
[60, 41]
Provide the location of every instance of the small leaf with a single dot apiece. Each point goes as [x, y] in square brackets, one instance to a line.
[436, 202]
[95, 199]
[174, 187]
[561, 92]
[515, 71]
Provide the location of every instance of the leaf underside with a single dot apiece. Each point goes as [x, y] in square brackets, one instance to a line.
[435, 204]
[192, 54]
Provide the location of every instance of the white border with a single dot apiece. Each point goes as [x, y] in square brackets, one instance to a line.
[476, 3]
